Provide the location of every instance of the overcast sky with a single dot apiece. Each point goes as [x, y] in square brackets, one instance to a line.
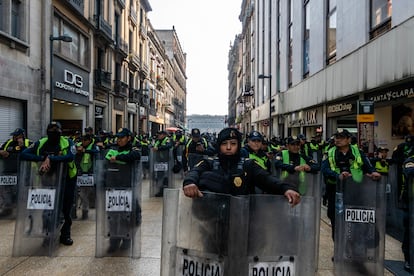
[205, 30]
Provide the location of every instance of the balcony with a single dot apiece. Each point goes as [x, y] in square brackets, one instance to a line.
[133, 16]
[143, 30]
[133, 96]
[144, 69]
[121, 3]
[134, 61]
[103, 29]
[160, 82]
[122, 47]
[152, 76]
[103, 79]
[121, 88]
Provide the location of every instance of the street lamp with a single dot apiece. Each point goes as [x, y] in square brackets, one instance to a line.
[261, 76]
[64, 38]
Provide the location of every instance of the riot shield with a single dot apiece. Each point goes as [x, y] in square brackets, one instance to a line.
[118, 209]
[38, 219]
[207, 234]
[179, 158]
[8, 186]
[285, 240]
[360, 227]
[226, 235]
[161, 164]
[410, 182]
[145, 163]
[86, 195]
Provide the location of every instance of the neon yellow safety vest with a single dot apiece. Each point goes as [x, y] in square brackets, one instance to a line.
[26, 143]
[64, 146]
[261, 161]
[380, 168]
[86, 162]
[285, 174]
[355, 166]
[113, 152]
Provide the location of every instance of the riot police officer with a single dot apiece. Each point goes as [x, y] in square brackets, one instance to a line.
[228, 173]
[344, 160]
[9, 152]
[57, 148]
[290, 161]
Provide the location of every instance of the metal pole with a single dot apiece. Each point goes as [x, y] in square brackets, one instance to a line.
[51, 80]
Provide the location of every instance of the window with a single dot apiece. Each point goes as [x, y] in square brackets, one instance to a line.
[306, 32]
[331, 32]
[77, 49]
[381, 11]
[13, 18]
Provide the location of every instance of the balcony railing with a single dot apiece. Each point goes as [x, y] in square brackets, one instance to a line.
[133, 95]
[133, 16]
[122, 46]
[143, 30]
[121, 88]
[134, 60]
[103, 79]
[103, 28]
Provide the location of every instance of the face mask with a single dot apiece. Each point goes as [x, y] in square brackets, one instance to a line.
[53, 136]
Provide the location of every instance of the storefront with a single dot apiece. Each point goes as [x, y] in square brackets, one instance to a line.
[342, 114]
[394, 110]
[71, 95]
[307, 122]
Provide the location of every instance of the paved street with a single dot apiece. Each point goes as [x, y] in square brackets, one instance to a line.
[79, 259]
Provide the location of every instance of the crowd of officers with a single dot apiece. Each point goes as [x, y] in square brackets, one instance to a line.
[337, 158]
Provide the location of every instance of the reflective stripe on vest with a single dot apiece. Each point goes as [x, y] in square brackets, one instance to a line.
[355, 166]
[285, 174]
[64, 146]
[26, 143]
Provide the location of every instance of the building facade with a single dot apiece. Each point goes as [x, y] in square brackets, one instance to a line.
[82, 63]
[313, 61]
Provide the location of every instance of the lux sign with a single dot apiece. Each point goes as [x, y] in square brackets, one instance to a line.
[73, 79]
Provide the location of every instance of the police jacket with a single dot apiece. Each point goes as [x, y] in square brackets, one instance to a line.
[84, 160]
[354, 161]
[64, 151]
[13, 146]
[260, 157]
[127, 153]
[164, 144]
[235, 177]
[287, 161]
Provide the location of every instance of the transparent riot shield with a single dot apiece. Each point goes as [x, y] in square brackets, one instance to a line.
[410, 182]
[203, 236]
[8, 186]
[161, 164]
[282, 241]
[179, 156]
[118, 209]
[38, 219]
[394, 205]
[145, 161]
[86, 195]
[360, 227]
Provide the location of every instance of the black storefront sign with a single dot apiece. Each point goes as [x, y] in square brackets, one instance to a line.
[70, 82]
[347, 107]
[396, 93]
